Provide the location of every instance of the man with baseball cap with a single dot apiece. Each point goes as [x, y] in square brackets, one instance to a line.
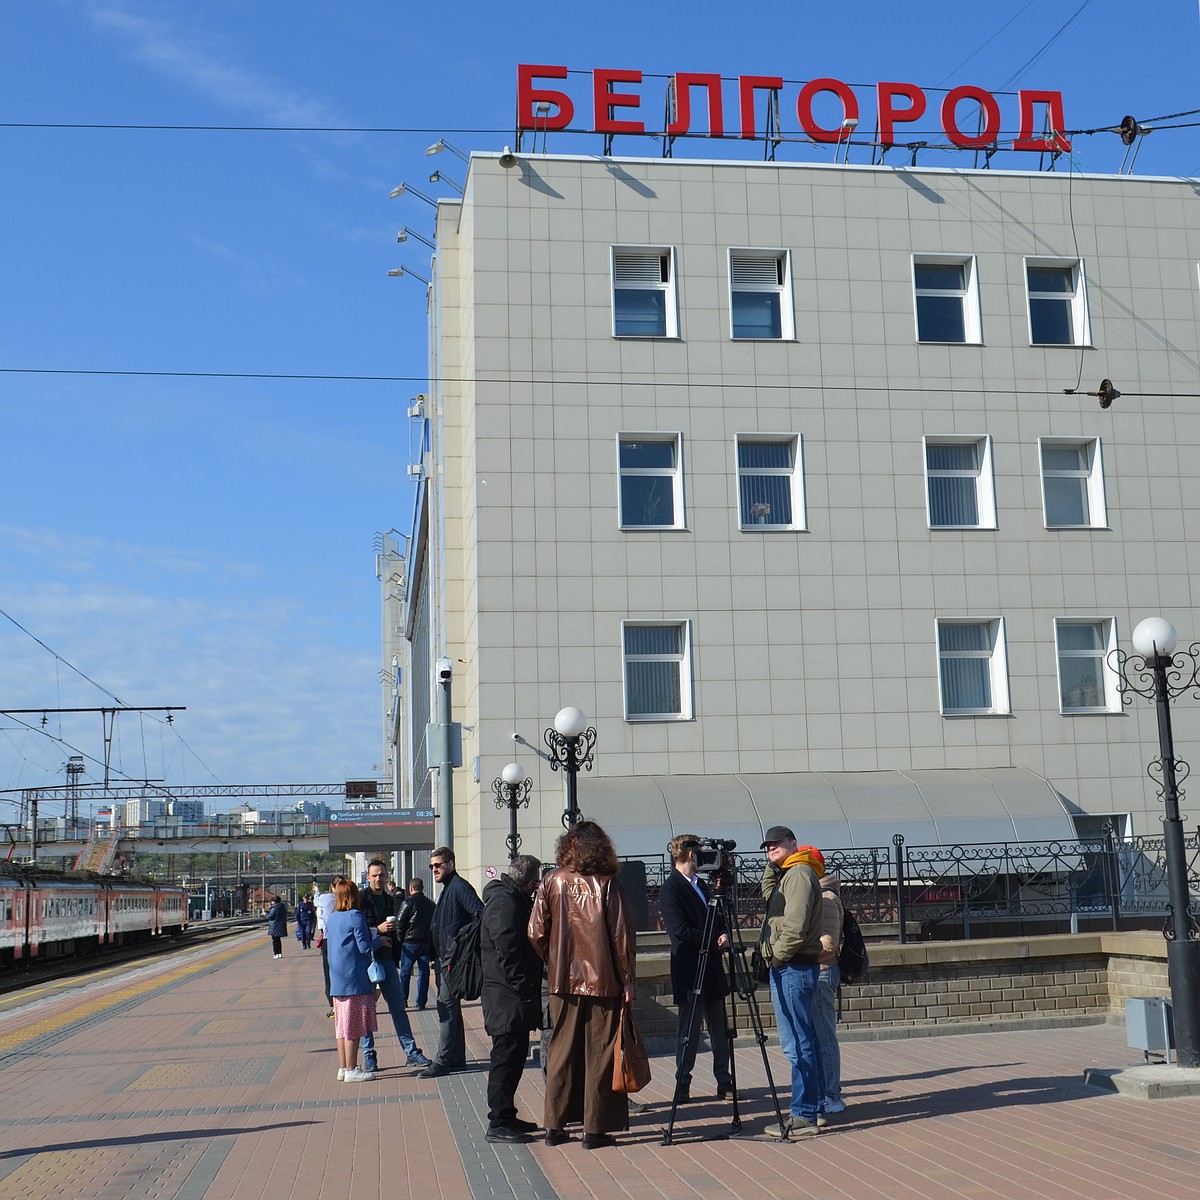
[791, 943]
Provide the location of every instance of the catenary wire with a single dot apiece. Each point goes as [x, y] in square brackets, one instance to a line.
[558, 381]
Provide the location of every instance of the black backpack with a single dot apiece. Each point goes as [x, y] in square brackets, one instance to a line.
[464, 965]
[853, 960]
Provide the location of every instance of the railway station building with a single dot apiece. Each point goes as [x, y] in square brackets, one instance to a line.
[787, 476]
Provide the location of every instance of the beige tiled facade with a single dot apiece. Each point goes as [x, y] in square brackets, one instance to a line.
[813, 649]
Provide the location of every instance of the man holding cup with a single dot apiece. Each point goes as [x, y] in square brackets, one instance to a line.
[378, 906]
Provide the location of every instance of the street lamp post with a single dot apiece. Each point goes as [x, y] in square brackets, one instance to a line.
[1162, 674]
[571, 743]
[512, 792]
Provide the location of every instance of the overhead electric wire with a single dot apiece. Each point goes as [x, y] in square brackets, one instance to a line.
[985, 44]
[1029, 62]
[131, 125]
[558, 381]
[59, 658]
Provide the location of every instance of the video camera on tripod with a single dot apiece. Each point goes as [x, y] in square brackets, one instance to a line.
[717, 863]
[713, 855]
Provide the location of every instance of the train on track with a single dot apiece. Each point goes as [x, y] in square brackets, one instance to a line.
[45, 915]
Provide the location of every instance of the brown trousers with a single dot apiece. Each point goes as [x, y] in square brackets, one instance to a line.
[579, 1065]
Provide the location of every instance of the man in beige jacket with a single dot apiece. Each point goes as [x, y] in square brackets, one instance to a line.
[792, 944]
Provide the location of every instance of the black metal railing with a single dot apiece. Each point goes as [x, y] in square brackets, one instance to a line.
[981, 889]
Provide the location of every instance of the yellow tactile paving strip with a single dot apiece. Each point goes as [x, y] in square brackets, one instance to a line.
[33, 1029]
[173, 1075]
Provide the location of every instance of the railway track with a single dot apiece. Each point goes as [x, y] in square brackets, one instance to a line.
[18, 978]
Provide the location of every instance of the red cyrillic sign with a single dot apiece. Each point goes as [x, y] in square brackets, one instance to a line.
[1039, 113]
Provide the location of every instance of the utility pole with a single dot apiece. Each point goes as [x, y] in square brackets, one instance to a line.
[108, 717]
[449, 748]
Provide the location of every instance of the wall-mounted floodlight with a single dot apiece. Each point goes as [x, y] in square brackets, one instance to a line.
[849, 125]
[406, 233]
[404, 189]
[441, 144]
[397, 272]
[441, 177]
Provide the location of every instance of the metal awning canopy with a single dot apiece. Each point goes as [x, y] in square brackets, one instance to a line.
[831, 809]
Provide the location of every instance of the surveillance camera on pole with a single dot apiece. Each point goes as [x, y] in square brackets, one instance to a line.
[444, 747]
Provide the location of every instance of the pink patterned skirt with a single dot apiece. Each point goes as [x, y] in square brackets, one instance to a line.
[353, 1016]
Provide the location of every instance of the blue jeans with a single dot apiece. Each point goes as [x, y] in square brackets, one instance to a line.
[824, 1010]
[792, 989]
[393, 996]
[416, 954]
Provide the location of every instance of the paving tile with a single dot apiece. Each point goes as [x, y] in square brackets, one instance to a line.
[213, 1076]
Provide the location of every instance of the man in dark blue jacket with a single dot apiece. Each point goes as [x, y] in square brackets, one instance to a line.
[683, 903]
[457, 904]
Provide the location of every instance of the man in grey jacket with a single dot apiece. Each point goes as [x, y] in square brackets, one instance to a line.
[792, 945]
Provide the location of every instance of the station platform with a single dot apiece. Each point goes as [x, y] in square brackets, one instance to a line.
[211, 1073]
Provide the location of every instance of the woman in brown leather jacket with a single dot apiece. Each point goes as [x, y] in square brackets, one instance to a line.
[583, 927]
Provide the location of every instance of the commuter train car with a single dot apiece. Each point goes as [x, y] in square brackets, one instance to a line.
[51, 916]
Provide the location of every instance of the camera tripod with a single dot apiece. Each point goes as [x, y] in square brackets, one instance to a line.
[740, 984]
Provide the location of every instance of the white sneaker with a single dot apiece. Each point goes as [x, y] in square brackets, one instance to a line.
[342, 1073]
[835, 1106]
[358, 1075]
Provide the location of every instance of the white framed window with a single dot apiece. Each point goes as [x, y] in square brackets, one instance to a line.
[946, 295]
[770, 472]
[644, 292]
[656, 666]
[960, 488]
[1057, 296]
[972, 666]
[1072, 483]
[650, 470]
[760, 295]
[1086, 681]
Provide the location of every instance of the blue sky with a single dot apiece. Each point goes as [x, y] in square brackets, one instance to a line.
[208, 542]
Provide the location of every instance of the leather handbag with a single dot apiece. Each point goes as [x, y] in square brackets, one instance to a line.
[631, 1063]
[375, 971]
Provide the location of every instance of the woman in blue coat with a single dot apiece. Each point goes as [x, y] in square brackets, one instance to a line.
[277, 924]
[350, 941]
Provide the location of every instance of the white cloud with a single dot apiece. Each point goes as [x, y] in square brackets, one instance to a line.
[207, 64]
[272, 691]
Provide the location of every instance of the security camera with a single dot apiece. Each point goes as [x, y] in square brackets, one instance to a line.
[445, 668]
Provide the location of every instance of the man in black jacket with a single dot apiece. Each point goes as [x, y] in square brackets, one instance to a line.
[683, 903]
[512, 992]
[414, 920]
[457, 904]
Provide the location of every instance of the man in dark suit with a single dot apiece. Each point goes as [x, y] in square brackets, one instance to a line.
[683, 903]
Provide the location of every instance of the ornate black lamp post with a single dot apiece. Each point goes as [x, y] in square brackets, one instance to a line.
[512, 792]
[571, 743]
[1161, 675]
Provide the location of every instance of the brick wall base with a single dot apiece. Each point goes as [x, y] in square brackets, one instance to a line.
[932, 987]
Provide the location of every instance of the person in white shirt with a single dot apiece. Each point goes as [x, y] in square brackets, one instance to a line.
[324, 902]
